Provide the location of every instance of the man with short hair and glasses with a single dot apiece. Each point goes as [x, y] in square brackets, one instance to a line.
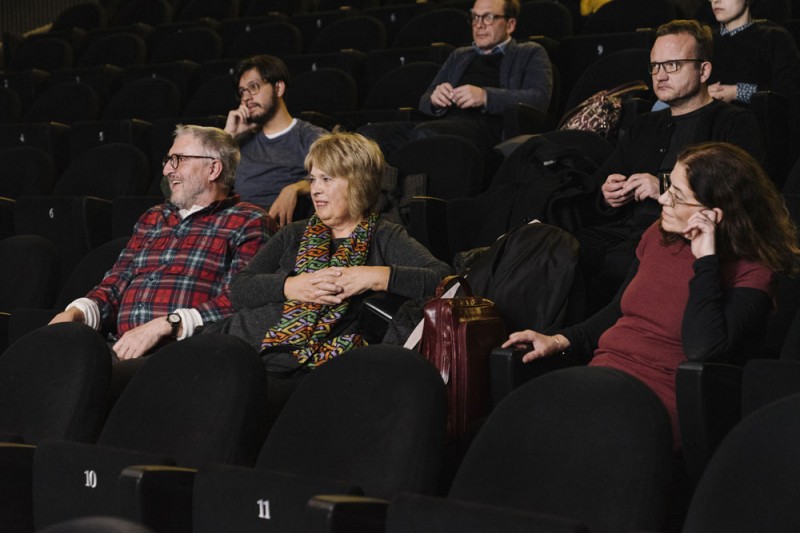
[630, 180]
[173, 275]
[273, 143]
[477, 83]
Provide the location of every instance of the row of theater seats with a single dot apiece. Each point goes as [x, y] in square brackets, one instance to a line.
[178, 451]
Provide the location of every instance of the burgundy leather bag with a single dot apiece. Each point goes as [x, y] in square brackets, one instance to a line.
[457, 336]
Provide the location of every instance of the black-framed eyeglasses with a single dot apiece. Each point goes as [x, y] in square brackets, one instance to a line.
[673, 65]
[176, 159]
[675, 201]
[251, 88]
[487, 18]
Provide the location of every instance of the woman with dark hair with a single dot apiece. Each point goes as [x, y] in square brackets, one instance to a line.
[751, 55]
[703, 280]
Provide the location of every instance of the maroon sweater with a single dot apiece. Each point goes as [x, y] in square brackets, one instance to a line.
[676, 308]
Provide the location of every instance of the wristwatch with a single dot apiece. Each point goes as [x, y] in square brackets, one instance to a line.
[174, 320]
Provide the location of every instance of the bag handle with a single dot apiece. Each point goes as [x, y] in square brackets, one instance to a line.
[449, 280]
[415, 337]
[628, 87]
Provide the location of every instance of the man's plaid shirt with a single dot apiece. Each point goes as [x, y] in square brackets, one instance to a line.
[171, 263]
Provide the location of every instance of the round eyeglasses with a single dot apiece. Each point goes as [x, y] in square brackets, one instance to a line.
[251, 88]
[176, 159]
[675, 201]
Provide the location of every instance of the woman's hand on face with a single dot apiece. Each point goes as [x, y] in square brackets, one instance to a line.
[539, 345]
[701, 231]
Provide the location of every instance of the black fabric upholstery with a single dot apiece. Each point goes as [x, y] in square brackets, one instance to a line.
[193, 44]
[151, 12]
[552, 19]
[198, 400]
[10, 106]
[43, 53]
[274, 38]
[374, 417]
[88, 273]
[448, 25]
[381, 62]
[751, 482]
[401, 87]
[86, 15]
[25, 170]
[423, 514]
[767, 380]
[75, 224]
[214, 97]
[630, 15]
[340, 92]
[608, 72]
[97, 524]
[215, 9]
[53, 384]
[29, 270]
[121, 49]
[361, 32]
[65, 102]
[127, 210]
[589, 443]
[453, 166]
[145, 99]
[51, 137]
[106, 171]
[577, 52]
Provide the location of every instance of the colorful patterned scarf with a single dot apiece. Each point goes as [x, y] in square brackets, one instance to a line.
[308, 325]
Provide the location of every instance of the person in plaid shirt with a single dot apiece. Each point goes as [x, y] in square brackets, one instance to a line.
[173, 275]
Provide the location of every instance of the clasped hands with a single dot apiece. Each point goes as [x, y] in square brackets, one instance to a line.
[465, 96]
[333, 285]
[618, 190]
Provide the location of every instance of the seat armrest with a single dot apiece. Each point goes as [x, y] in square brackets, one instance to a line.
[346, 514]
[157, 496]
[507, 371]
[428, 225]
[376, 314]
[709, 399]
[16, 503]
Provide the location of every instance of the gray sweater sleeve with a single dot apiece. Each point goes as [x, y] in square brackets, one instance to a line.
[414, 271]
[261, 281]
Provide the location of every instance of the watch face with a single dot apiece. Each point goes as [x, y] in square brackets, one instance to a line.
[174, 318]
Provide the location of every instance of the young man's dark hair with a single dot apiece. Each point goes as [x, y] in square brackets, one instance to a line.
[270, 68]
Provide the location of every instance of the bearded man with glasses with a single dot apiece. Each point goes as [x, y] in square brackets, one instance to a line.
[273, 144]
[633, 177]
[173, 276]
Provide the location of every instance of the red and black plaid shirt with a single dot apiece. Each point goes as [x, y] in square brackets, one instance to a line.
[171, 263]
